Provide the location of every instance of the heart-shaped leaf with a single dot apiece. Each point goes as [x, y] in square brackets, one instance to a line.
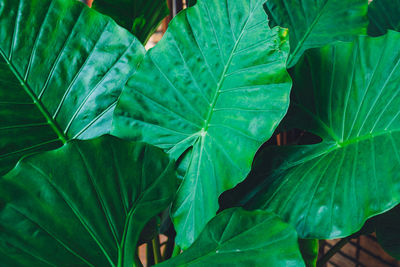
[141, 17]
[243, 238]
[216, 86]
[84, 204]
[62, 67]
[383, 15]
[315, 23]
[351, 99]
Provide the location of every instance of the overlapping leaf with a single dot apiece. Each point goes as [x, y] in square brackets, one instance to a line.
[315, 23]
[237, 237]
[141, 17]
[62, 67]
[215, 87]
[309, 249]
[82, 205]
[383, 15]
[351, 99]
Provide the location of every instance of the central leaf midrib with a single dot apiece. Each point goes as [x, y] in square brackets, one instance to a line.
[307, 33]
[53, 124]
[342, 145]
[365, 137]
[223, 75]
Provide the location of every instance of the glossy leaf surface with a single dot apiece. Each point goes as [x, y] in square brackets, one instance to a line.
[388, 231]
[236, 237]
[62, 67]
[351, 99]
[84, 204]
[215, 86]
[315, 23]
[383, 15]
[141, 17]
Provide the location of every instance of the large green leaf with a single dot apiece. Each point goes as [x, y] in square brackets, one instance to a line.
[315, 23]
[351, 99]
[215, 86]
[62, 67]
[383, 15]
[84, 204]
[236, 237]
[388, 231]
[141, 17]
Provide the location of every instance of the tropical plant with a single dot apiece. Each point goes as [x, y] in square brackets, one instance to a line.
[188, 119]
[62, 70]
[141, 17]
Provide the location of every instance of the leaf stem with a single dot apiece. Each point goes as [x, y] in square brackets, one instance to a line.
[149, 254]
[156, 250]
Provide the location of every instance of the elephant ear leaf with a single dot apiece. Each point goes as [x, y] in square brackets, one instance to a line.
[388, 231]
[216, 86]
[62, 67]
[315, 23]
[84, 204]
[383, 15]
[351, 100]
[141, 17]
[242, 238]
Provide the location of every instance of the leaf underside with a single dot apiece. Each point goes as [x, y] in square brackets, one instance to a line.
[90, 213]
[62, 67]
[216, 87]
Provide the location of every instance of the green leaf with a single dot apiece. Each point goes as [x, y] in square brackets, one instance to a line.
[191, 3]
[215, 87]
[315, 23]
[141, 17]
[242, 238]
[388, 231]
[383, 15]
[62, 67]
[351, 99]
[84, 204]
[309, 249]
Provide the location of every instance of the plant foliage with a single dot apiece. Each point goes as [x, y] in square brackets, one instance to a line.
[204, 101]
[383, 15]
[245, 238]
[89, 214]
[141, 17]
[350, 99]
[62, 68]
[213, 90]
[315, 23]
